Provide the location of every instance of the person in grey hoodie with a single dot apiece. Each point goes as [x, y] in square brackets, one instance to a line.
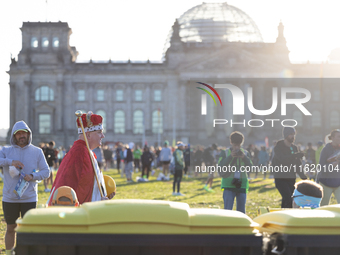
[165, 157]
[30, 161]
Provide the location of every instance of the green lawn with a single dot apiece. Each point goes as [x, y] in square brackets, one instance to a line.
[261, 193]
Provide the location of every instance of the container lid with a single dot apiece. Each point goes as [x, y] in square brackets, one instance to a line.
[321, 221]
[135, 216]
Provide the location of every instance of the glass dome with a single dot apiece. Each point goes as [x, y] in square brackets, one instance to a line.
[216, 22]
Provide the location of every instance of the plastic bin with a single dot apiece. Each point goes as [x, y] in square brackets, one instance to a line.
[299, 231]
[263, 210]
[136, 227]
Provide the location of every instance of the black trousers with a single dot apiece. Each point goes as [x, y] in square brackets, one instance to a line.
[186, 165]
[118, 164]
[286, 189]
[177, 179]
[136, 161]
[12, 211]
[146, 170]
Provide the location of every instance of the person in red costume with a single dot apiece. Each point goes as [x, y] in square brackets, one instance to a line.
[76, 169]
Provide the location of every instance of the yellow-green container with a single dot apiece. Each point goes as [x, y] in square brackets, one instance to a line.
[263, 210]
[136, 226]
[300, 231]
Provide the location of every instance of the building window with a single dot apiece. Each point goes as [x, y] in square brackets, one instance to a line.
[119, 122]
[100, 95]
[44, 123]
[103, 114]
[157, 122]
[158, 95]
[119, 95]
[138, 95]
[55, 42]
[44, 42]
[81, 95]
[34, 42]
[335, 95]
[44, 93]
[138, 120]
[335, 120]
[316, 121]
[297, 115]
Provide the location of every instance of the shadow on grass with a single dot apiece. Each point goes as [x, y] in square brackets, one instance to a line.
[134, 182]
[187, 180]
[257, 181]
[261, 189]
[266, 188]
[198, 193]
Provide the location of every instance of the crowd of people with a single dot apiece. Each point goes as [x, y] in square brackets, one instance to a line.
[81, 168]
[298, 158]
[129, 159]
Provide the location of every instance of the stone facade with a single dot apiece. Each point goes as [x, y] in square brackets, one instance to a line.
[47, 86]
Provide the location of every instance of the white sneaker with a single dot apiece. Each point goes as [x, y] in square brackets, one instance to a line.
[47, 190]
[174, 194]
[180, 194]
[1, 175]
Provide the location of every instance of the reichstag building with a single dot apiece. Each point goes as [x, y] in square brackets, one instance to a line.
[210, 43]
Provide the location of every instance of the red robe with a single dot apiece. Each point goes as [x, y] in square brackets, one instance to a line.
[76, 171]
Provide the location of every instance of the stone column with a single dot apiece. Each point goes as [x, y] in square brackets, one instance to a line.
[128, 107]
[172, 88]
[109, 112]
[12, 87]
[28, 111]
[60, 104]
[148, 108]
[92, 96]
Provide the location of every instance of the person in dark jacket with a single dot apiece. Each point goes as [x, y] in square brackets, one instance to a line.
[179, 166]
[210, 160]
[50, 158]
[147, 159]
[286, 163]
[128, 159]
[118, 155]
[310, 159]
[186, 154]
[263, 158]
[329, 176]
[198, 155]
[108, 157]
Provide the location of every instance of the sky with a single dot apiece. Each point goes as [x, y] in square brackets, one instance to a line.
[137, 30]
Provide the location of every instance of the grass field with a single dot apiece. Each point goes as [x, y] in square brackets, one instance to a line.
[261, 193]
